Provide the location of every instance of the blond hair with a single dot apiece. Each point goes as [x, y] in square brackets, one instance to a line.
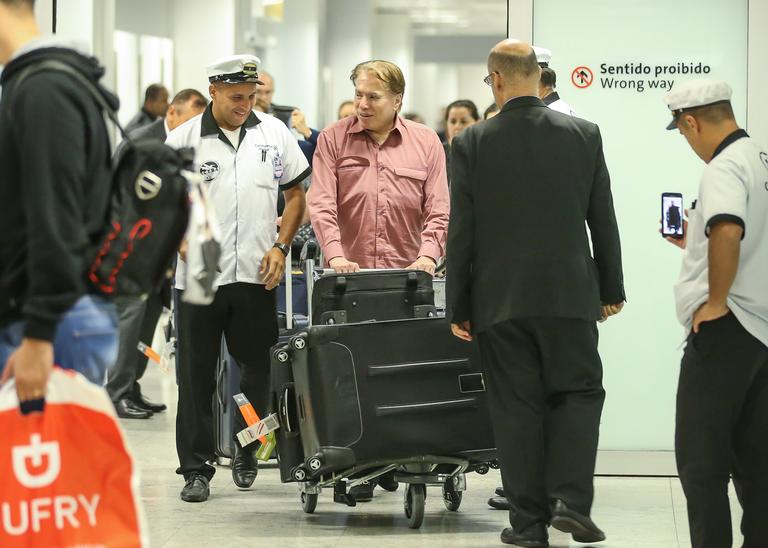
[387, 72]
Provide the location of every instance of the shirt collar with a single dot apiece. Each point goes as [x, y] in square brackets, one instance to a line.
[209, 126]
[356, 127]
[165, 125]
[522, 101]
[732, 138]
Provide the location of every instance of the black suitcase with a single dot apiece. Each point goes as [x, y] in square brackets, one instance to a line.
[224, 407]
[290, 454]
[228, 382]
[385, 391]
[372, 295]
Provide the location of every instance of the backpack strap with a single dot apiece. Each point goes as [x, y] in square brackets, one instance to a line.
[60, 66]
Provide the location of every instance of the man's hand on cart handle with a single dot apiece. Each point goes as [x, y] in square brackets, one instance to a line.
[462, 330]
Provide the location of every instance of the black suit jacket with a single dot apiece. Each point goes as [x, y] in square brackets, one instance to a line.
[522, 186]
[155, 130]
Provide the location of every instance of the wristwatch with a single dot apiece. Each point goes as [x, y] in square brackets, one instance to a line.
[285, 248]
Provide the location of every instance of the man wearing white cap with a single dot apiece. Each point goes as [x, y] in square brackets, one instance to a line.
[548, 82]
[722, 300]
[246, 158]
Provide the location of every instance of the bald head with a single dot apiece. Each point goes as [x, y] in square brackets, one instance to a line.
[513, 70]
[514, 60]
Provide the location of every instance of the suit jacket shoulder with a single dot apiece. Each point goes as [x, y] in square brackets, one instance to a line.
[155, 130]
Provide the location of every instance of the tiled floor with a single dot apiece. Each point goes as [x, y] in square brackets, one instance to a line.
[634, 512]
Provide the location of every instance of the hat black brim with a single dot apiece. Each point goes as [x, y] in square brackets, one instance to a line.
[235, 81]
[672, 124]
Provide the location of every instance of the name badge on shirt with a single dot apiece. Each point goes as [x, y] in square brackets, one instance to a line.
[277, 166]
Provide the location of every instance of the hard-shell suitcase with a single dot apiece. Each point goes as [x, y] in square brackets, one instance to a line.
[372, 295]
[385, 391]
[289, 449]
[228, 377]
[224, 408]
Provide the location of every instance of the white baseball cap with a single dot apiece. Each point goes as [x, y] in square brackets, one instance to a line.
[695, 93]
[543, 56]
[235, 69]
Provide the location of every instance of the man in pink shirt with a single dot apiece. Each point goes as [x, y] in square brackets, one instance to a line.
[379, 195]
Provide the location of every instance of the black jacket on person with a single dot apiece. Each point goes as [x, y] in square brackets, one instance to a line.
[141, 119]
[55, 185]
[522, 186]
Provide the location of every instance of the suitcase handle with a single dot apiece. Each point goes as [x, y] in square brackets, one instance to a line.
[221, 399]
[282, 409]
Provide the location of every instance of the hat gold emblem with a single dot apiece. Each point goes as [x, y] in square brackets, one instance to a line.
[250, 69]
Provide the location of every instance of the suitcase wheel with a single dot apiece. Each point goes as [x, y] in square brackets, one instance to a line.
[482, 469]
[281, 356]
[309, 502]
[299, 474]
[415, 500]
[299, 343]
[315, 464]
[494, 464]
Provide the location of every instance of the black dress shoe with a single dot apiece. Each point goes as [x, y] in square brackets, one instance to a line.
[144, 403]
[244, 468]
[196, 489]
[500, 492]
[499, 503]
[533, 536]
[362, 492]
[581, 527]
[128, 409]
[388, 482]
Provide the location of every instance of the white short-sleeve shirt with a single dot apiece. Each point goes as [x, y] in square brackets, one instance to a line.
[243, 186]
[734, 187]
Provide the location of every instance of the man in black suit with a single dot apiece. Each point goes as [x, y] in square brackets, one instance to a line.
[533, 177]
[137, 318]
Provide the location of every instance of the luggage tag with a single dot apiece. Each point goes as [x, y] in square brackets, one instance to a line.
[264, 452]
[258, 431]
[150, 353]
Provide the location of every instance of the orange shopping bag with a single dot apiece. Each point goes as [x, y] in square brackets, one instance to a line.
[68, 478]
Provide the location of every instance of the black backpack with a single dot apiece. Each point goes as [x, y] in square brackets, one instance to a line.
[149, 207]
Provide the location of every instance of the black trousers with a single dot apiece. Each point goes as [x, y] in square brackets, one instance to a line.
[137, 320]
[722, 431]
[544, 382]
[246, 315]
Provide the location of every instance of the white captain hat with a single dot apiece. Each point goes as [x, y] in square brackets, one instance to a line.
[235, 69]
[695, 93]
[543, 56]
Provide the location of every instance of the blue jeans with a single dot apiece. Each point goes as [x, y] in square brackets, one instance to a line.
[85, 341]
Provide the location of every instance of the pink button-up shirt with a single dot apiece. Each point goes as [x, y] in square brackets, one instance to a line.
[381, 206]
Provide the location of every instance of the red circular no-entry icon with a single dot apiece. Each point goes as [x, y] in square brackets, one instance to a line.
[582, 77]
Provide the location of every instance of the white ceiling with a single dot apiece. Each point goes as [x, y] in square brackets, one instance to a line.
[451, 16]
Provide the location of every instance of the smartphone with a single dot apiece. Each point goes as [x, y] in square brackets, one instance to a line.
[672, 215]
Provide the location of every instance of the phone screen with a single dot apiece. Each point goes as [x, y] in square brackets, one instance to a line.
[672, 214]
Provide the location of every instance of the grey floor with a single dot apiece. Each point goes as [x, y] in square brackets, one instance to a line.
[647, 512]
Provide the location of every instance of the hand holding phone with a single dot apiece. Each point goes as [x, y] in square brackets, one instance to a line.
[672, 216]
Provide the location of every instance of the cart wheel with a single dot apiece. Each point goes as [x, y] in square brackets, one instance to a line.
[308, 502]
[451, 497]
[415, 497]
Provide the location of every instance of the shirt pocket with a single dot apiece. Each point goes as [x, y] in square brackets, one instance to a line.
[352, 168]
[261, 167]
[408, 191]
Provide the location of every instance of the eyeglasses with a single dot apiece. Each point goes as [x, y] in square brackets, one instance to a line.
[489, 79]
